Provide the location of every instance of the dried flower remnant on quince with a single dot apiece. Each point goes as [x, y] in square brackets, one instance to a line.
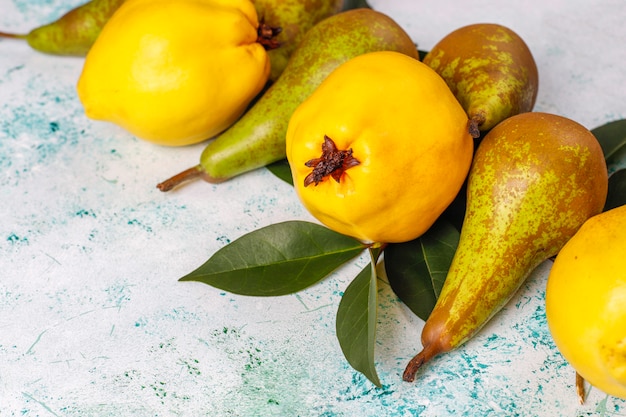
[333, 163]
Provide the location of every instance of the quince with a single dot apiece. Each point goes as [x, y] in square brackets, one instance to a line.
[380, 148]
[175, 72]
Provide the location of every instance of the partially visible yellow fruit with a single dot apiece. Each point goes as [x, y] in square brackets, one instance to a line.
[586, 301]
[380, 148]
[175, 72]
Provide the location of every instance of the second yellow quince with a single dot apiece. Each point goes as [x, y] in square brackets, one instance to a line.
[175, 72]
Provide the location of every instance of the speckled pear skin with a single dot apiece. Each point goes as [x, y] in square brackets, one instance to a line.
[534, 180]
[295, 18]
[75, 32]
[490, 70]
[258, 138]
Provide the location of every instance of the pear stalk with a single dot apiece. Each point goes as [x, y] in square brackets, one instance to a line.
[425, 355]
[13, 35]
[182, 177]
[580, 388]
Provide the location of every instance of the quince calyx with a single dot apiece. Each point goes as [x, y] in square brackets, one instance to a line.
[333, 162]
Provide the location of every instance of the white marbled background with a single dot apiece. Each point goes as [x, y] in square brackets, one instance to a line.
[93, 321]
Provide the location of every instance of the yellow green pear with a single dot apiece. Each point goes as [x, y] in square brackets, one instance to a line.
[490, 70]
[73, 33]
[535, 179]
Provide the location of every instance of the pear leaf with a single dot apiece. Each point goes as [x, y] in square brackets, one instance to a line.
[282, 170]
[617, 190]
[356, 4]
[356, 322]
[612, 138]
[279, 259]
[417, 269]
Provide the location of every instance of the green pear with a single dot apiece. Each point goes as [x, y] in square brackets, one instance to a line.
[74, 32]
[534, 180]
[490, 70]
[258, 137]
[295, 18]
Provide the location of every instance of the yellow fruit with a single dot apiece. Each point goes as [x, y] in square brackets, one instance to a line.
[396, 148]
[586, 301]
[175, 72]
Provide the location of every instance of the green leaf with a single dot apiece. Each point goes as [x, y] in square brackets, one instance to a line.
[617, 190]
[612, 138]
[356, 322]
[279, 259]
[356, 4]
[282, 170]
[417, 269]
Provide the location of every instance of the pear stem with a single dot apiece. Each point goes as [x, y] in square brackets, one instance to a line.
[12, 35]
[580, 388]
[473, 126]
[185, 176]
[427, 353]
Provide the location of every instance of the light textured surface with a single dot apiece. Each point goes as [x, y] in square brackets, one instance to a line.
[93, 321]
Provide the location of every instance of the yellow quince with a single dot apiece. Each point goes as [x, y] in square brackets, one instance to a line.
[175, 72]
[380, 149]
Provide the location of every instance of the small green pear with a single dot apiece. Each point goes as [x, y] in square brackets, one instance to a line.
[534, 180]
[490, 70]
[295, 18]
[74, 32]
[258, 138]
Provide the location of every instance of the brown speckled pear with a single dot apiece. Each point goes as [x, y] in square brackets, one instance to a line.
[535, 179]
[490, 70]
[258, 138]
[73, 33]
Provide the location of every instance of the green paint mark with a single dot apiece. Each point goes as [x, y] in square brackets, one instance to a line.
[159, 390]
[30, 349]
[318, 308]
[299, 298]
[15, 239]
[85, 213]
[41, 403]
[191, 366]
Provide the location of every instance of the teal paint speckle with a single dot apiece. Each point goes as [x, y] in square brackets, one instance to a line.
[85, 213]
[14, 239]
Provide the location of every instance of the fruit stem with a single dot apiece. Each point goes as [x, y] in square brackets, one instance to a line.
[427, 353]
[580, 388]
[473, 125]
[12, 35]
[185, 176]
